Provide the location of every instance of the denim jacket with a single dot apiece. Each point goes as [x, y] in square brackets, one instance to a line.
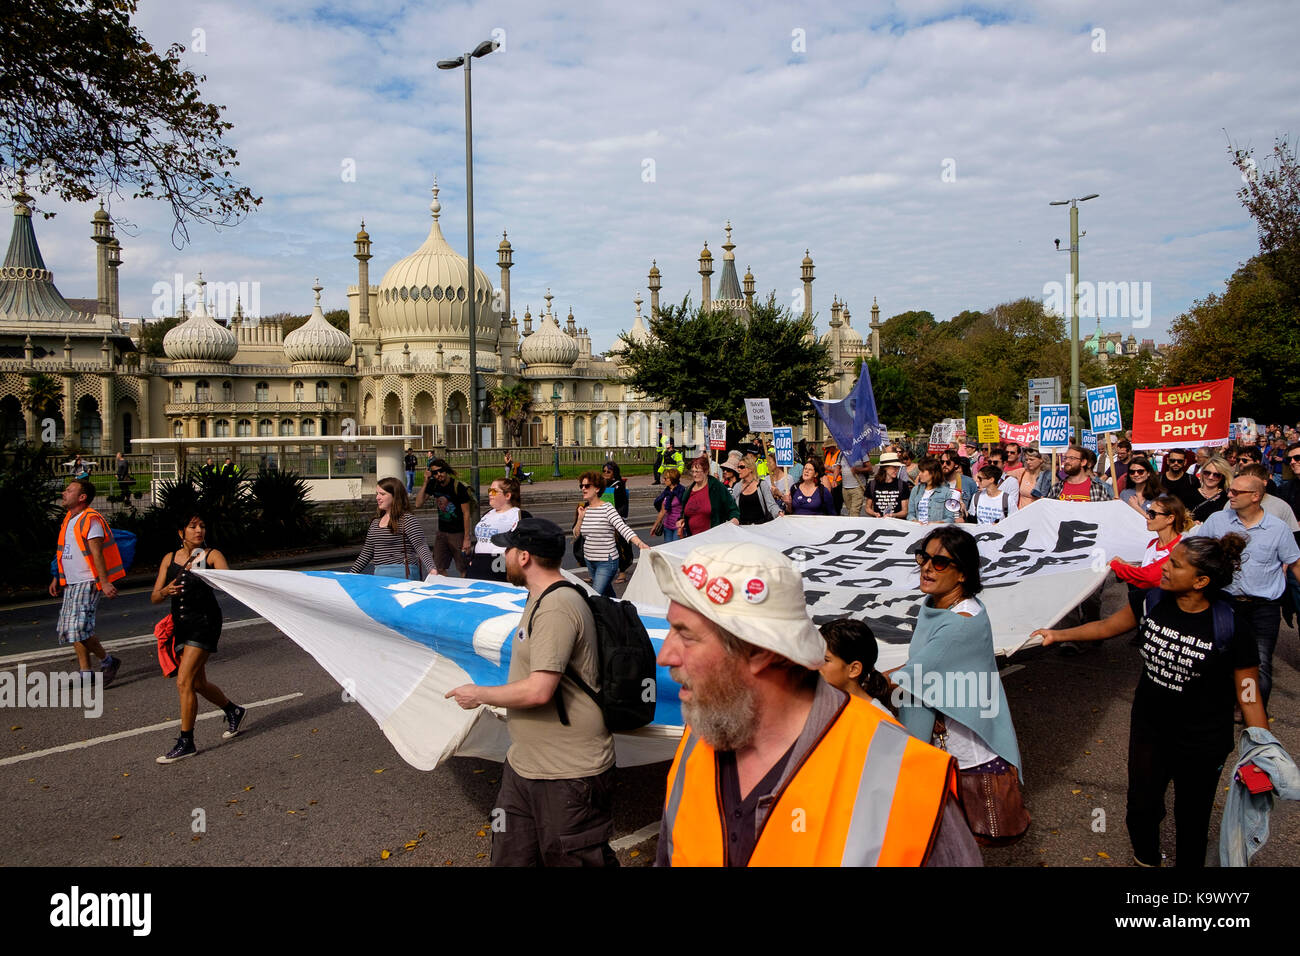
[938, 512]
[1245, 816]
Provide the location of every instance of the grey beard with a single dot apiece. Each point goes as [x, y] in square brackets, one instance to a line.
[728, 724]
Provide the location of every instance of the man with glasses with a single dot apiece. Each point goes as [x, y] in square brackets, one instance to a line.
[1177, 482]
[1009, 483]
[950, 464]
[454, 540]
[1271, 551]
[1079, 484]
[1011, 455]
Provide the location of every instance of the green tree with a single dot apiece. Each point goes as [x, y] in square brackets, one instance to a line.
[87, 107]
[152, 333]
[41, 395]
[513, 403]
[709, 362]
[1272, 197]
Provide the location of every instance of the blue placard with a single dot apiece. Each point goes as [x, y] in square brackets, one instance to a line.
[1103, 409]
[1090, 440]
[783, 446]
[1053, 427]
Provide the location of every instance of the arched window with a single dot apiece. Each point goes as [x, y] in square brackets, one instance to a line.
[343, 391]
[308, 426]
[203, 428]
[178, 430]
[202, 393]
[264, 429]
[286, 427]
[297, 391]
[221, 428]
[227, 392]
[244, 428]
[177, 391]
[322, 391]
[598, 392]
[262, 392]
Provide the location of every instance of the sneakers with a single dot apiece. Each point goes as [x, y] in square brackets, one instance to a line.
[233, 721]
[184, 748]
[109, 668]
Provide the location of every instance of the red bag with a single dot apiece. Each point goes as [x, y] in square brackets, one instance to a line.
[168, 659]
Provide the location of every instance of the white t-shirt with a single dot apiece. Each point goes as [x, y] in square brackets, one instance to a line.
[493, 522]
[923, 506]
[989, 510]
[77, 568]
[966, 746]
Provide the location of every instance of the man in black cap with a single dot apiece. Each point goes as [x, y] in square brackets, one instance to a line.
[555, 807]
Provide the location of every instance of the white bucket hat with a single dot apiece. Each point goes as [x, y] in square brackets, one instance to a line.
[751, 590]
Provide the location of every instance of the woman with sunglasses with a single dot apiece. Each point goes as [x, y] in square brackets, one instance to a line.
[932, 500]
[598, 522]
[953, 636]
[488, 562]
[1215, 477]
[1197, 665]
[1167, 519]
[1143, 485]
[708, 502]
[754, 498]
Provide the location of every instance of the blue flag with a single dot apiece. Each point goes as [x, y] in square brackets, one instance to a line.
[852, 421]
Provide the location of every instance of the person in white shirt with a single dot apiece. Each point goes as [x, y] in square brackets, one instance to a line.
[488, 560]
[994, 501]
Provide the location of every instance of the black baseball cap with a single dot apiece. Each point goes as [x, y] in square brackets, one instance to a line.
[536, 536]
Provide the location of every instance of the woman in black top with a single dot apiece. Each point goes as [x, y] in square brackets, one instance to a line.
[614, 482]
[196, 618]
[1215, 477]
[1196, 664]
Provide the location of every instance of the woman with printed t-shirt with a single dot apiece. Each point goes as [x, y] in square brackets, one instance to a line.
[933, 501]
[1196, 665]
[887, 493]
[488, 561]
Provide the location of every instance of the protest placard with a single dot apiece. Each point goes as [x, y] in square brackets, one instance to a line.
[1182, 416]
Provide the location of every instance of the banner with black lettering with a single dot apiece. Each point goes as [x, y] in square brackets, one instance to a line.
[1036, 566]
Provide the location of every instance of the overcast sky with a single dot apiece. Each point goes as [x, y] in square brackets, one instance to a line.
[913, 147]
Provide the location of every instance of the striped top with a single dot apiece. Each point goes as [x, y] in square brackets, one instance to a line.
[384, 547]
[599, 522]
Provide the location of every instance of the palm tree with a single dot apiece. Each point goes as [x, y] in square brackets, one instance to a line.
[513, 403]
[41, 394]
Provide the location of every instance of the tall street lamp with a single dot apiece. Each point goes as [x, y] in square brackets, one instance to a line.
[483, 49]
[556, 398]
[1074, 303]
[964, 395]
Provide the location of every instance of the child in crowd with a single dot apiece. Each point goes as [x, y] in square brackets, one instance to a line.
[851, 651]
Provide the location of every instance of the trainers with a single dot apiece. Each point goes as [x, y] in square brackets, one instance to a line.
[184, 748]
[233, 721]
[109, 668]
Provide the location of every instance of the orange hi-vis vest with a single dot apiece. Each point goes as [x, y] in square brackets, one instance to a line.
[81, 530]
[867, 794]
[831, 459]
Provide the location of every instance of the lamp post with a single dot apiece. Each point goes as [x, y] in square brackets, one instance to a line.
[1074, 302]
[964, 396]
[555, 438]
[483, 49]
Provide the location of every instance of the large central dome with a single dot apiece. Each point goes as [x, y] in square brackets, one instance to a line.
[425, 297]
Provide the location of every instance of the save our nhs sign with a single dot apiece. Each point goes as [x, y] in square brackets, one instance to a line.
[1053, 427]
[1103, 409]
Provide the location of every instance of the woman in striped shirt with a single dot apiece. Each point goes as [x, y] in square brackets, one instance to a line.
[597, 522]
[395, 543]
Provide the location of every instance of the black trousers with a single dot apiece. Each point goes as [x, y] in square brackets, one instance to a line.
[553, 822]
[1152, 765]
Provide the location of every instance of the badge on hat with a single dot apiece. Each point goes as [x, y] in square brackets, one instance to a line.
[697, 574]
[756, 590]
[719, 591]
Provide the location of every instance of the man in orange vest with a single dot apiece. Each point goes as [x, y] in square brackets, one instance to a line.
[777, 767]
[88, 563]
[833, 478]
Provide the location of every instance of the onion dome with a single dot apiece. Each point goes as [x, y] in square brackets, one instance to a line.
[316, 340]
[638, 333]
[549, 345]
[200, 338]
[362, 235]
[849, 335]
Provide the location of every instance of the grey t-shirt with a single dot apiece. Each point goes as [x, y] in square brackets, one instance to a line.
[563, 633]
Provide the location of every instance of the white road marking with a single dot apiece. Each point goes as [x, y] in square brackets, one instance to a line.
[30, 657]
[152, 728]
[632, 839]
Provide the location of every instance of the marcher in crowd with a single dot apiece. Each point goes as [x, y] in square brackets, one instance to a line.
[910, 468]
[671, 503]
[1215, 476]
[952, 471]
[1035, 479]
[887, 492]
[1007, 482]
[395, 544]
[834, 479]
[1176, 480]
[754, 499]
[87, 563]
[1078, 483]
[409, 463]
[931, 500]
[556, 785]
[670, 458]
[953, 636]
[1167, 519]
[708, 502]
[503, 514]
[1270, 557]
[851, 652]
[452, 500]
[811, 496]
[992, 503]
[196, 619]
[1181, 725]
[598, 522]
[1143, 484]
[765, 732]
[780, 481]
[853, 474]
[614, 490]
[1271, 503]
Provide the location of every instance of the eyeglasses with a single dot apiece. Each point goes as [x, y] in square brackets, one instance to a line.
[1177, 461]
[939, 562]
[1152, 514]
[1293, 458]
[436, 471]
[585, 485]
[1137, 472]
[493, 492]
[1071, 458]
[1233, 492]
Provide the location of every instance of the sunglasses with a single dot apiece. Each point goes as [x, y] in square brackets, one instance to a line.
[939, 562]
[1137, 472]
[585, 485]
[1152, 514]
[1293, 457]
[492, 492]
[1177, 461]
[436, 471]
[1233, 492]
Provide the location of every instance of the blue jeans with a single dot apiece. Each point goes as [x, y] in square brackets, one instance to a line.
[670, 534]
[602, 576]
[410, 482]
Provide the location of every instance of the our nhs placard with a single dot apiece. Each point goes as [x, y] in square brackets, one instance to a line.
[783, 446]
[1053, 427]
[1103, 409]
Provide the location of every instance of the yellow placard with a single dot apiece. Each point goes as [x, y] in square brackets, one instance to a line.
[988, 428]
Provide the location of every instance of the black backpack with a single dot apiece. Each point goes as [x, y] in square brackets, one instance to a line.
[626, 660]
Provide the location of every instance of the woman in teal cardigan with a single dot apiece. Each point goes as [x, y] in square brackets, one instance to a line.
[943, 506]
[722, 507]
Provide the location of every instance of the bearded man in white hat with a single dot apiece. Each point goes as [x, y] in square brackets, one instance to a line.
[777, 767]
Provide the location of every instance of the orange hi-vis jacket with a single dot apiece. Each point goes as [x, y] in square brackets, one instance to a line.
[831, 459]
[866, 794]
[81, 530]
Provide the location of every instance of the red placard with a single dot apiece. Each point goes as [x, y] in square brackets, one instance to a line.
[1185, 416]
[1026, 434]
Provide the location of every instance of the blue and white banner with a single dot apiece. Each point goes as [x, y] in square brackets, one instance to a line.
[852, 421]
[1103, 409]
[1054, 432]
[783, 446]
